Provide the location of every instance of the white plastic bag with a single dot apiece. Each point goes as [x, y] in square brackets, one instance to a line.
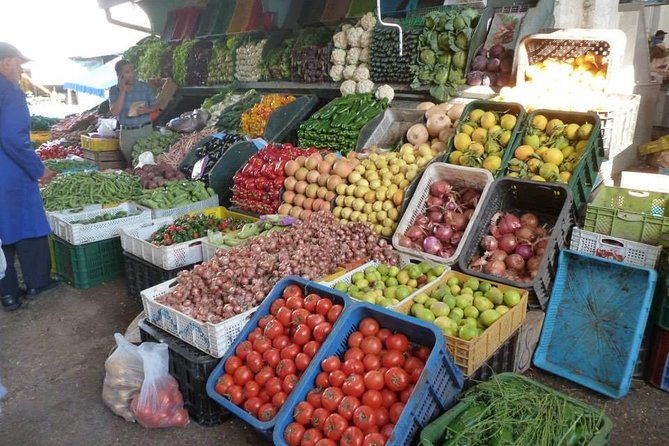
[159, 403]
[3, 268]
[107, 127]
[123, 378]
[144, 159]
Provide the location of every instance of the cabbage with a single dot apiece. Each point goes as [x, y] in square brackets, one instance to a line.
[427, 57]
[460, 60]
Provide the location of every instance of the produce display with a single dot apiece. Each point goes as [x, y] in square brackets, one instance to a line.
[387, 285]
[514, 247]
[439, 125]
[152, 176]
[267, 366]
[73, 126]
[254, 120]
[183, 146]
[80, 189]
[309, 58]
[256, 187]
[241, 277]
[174, 194]
[442, 50]
[64, 165]
[180, 59]
[157, 143]
[351, 55]
[265, 226]
[310, 184]
[514, 410]
[481, 139]
[464, 308]
[359, 397]
[167, 62]
[385, 63]
[276, 64]
[109, 216]
[222, 63]
[198, 63]
[150, 63]
[191, 227]
[248, 60]
[550, 151]
[491, 67]
[40, 123]
[217, 104]
[212, 151]
[229, 120]
[53, 150]
[338, 124]
[439, 229]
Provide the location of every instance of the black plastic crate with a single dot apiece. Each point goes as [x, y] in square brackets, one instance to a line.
[503, 360]
[140, 275]
[191, 368]
[551, 202]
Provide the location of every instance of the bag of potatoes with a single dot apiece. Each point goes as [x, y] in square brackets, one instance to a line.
[123, 379]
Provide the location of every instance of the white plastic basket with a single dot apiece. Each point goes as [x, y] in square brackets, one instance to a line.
[390, 129]
[79, 234]
[213, 339]
[614, 248]
[619, 122]
[134, 240]
[457, 176]
[175, 212]
[209, 249]
[404, 260]
[51, 216]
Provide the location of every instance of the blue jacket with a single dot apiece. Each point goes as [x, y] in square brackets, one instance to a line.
[21, 209]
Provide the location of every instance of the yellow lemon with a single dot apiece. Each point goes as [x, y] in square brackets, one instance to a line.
[523, 152]
[508, 122]
[492, 146]
[549, 171]
[532, 140]
[539, 122]
[534, 164]
[488, 119]
[468, 129]
[476, 148]
[495, 131]
[585, 130]
[555, 127]
[581, 145]
[567, 151]
[565, 176]
[553, 156]
[541, 150]
[462, 141]
[492, 163]
[537, 178]
[513, 174]
[571, 131]
[475, 115]
[454, 157]
[480, 135]
[504, 137]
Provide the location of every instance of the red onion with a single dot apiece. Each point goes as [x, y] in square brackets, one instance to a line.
[456, 238]
[529, 219]
[446, 252]
[422, 220]
[470, 197]
[495, 267]
[443, 233]
[432, 245]
[405, 242]
[515, 262]
[525, 234]
[434, 203]
[498, 254]
[451, 206]
[458, 221]
[533, 264]
[414, 232]
[508, 224]
[469, 213]
[435, 216]
[524, 250]
[440, 188]
[507, 243]
[489, 243]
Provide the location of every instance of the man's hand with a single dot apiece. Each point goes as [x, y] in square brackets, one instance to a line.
[47, 177]
[145, 110]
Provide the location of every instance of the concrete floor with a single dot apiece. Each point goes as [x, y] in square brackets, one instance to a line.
[52, 355]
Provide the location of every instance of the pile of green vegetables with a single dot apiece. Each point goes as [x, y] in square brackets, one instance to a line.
[40, 123]
[276, 63]
[174, 194]
[248, 59]
[385, 63]
[191, 227]
[442, 50]
[222, 63]
[69, 165]
[512, 410]
[106, 217]
[82, 189]
[265, 226]
[338, 124]
[180, 60]
[156, 143]
[230, 119]
[150, 63]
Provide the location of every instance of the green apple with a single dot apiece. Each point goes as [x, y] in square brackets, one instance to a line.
[488, 317]
[416, 308]
[482, 304]
[437, 270]
[369, 297]
[426, 315]
[485, 286]
[391, 281]
[383, 269]
[467, 290]
[370, 270]
[456, 314]
[389, 292]
[440, 292]
[471, 311]
[495, 295]
[472, 284]
[440, 309]
[452, 281]
[502, 309]
[421, 298]
[511, 298]
[341, 286]
[357, 276]
[424, 267]
[430, 278]
[385, 302]
[455, 290]
[393, 271]
[444, 322]
[470, 321]
[462, 302]
[402, 292]
[403, 277]
[450, 300]
[362, 283]
[467, 332]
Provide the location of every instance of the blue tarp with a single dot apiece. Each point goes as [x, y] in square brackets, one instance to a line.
[95, 82]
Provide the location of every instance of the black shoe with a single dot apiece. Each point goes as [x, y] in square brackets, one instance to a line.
[10, 303]
[33, 293]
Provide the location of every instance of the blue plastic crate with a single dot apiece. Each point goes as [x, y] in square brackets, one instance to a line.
[595, 322]
[436, 390]
[264, 309]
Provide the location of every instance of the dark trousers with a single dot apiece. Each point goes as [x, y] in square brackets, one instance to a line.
[35, 262]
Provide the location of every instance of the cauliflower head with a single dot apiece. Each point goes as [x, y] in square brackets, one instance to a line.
[338, 56]
[368, 21]
[352, 56]
[353, 36]
[365, 86]
[366, 39]
[339, 40]
[361, 73]
[347, 87]
[364, 55]
[385, 91]
[348, 71]
[336, 72]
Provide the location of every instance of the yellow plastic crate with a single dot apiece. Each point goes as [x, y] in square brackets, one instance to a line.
[223, 212]
[100, 144]
[657, 146]
[40, 137]
[469, 356]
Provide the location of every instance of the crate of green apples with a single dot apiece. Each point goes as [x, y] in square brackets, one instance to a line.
[475, 316]
[388, 285]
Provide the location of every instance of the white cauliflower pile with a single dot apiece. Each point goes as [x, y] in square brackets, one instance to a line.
[351, 54]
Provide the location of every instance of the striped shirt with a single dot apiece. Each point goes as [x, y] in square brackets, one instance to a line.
[140, 92]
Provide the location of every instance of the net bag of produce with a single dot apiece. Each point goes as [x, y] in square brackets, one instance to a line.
[159, 403]
[123, 378]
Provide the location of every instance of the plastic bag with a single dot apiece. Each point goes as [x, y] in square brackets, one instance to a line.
[123, 378]
[3, 268]
[107, 127]
[190, 122]
[159, 403]
[145, 158]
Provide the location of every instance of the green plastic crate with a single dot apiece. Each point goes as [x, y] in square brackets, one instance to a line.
[434, 432]
[639, 216]
[662, 292]
[85, 266]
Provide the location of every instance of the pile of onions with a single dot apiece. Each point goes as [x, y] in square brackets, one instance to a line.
[438, 230]
[514, 248]
[238, 279]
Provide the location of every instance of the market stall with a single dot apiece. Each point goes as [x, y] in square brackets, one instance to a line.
[336, 260]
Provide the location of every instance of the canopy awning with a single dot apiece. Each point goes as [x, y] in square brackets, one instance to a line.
[96, 81]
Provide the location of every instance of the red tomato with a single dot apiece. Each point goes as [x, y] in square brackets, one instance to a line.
[372, 398]
[302, 361]
[264, 396]
[284, 316]
[412, 363]
[383, 334]
[273, 329]
[368, 327]
[371, 345]
[395, 411]
[311, 348]
[375, 439]
[371, 362]
[281, 342]
[263, 321]
[233, 363]
[334, 312]
[274, 308]
[224, 383]
[354, 353]
[311, 437]
[355, 339]
[271, 357]
[347, 406]
[290, 351]
[334, 426]
[322, 380]
[252, 405]
[318, 418]
[352, 436]
[382, 416]
[396, 379]
[242, 350]
[314, 397]
[393, 358]
[387, 430]
[251, 389]
[266, 412]
[254, 334]
[397, 342]
[337, 378]
[295, 302]
[303, 335]
[254, 361]
[286, 367]
[303, 412]
[310, 302]
[406, 393]
[236, 395]
[374, 380]
[292, 291]
[323, 306]
[299, 316]
[352, 366]
[423, 353]
[315, 319]
[325, 442]
[273, 386]
[363, 417]
[242, 375]
[389, 397]
[293, 434]
[331, 364]
[289, 383]
[415, 375]
[279, 399]
[354, 385]
[331, 398]
[261, 344]
[264, 375]
[322, 330]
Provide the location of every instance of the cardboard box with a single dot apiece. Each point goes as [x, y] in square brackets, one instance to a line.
[651, 182]
[528, 339]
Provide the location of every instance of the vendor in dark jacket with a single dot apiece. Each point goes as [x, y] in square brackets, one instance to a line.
[23, 225]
